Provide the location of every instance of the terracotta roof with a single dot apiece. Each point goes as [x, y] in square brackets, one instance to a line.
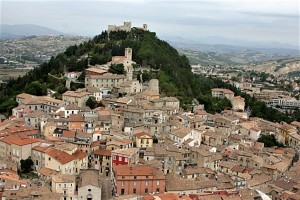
[141, 134]
[129, 152]
[80, 155]
[68, 134]
[63, 178]
[76, 118]
[227, 164]
[46, 171]
[60, 156]
[19, 142]
[25, 96]
[76, 94]
[103, 152]
[43, 147]
[181, 132]
[223, 90]
[138, 170]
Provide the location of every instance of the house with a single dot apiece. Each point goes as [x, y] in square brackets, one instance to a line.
[64, 162]
[222, 93]
[179, 185]
[17, 148]
[76, 122]
[73, 75]
[143, 140]
[125, 156]
[238, 103]
[102, 161]
[68, 136]
[34, 118]
[212, 138]
[45, 173]
[65, 184]
[182, 134]
[38, 154]
[77, 98]
[138, 179]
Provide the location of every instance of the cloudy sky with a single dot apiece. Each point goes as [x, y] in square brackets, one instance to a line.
[249, 20]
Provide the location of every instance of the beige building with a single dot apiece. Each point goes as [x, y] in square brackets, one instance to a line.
[76, 97]
[17, 148]
[65, 184]
[222, 93]
[238, 103]
[38, 154]
[130, 87]
[107, 80]
[143, 140]
[66, 163]
[34, 118]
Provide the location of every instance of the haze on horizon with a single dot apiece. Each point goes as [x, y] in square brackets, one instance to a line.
[245, 20]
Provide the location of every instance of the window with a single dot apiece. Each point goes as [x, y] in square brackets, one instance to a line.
[122, 183]
[157, 190]
[146, 183]
[146, 190]
[134, 183]
[49, 158]
[123, 177]
[134, 177]
[89, 190]
[114, 157]
[134, 191]
[120, 158]
[157, 182]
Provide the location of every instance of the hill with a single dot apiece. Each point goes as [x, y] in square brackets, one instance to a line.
[172, 70]
[25, 30]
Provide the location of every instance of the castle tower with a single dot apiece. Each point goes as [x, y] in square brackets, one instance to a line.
[129, 72]
[128, 53]
[153, 85]
[145, 27]
[127, 26]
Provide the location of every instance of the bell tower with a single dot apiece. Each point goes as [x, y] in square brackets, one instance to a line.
[128, 53]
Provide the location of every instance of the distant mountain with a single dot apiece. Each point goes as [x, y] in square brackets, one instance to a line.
[217, 44]
[25, 30]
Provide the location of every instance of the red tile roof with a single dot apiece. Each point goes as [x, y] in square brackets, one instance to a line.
[140, 134]
[79, 155]
[137, 170]
[60, 156]
[69, 134]
[76, 118]
[18, 141]
[103, 152]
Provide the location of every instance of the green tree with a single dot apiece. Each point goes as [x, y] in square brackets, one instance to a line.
[91, 102]
[269, 141]
[26, 165]
[36, 88]
[117, 69]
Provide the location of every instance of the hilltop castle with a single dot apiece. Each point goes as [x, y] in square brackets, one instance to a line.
[125, 27]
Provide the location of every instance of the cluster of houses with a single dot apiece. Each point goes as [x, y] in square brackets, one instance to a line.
[140, 145]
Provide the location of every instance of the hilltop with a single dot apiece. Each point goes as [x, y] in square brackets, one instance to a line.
[162, 61]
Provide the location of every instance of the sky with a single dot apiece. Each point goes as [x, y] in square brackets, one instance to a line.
[197, 20]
